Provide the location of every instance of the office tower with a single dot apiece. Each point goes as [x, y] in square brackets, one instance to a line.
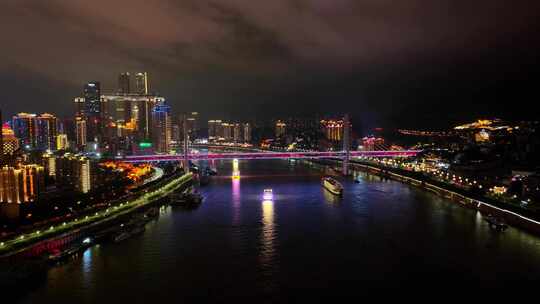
[280, 128]
[145, 106]
[83, 174]
[92, 99]
[332, 129]
[69, 128]
[161, 131]
[24, 126]
[46, 132]
[247, 132]
[211, 130]
[219, 129]
[214, 130]
[237, 133]
[10, 142]
[49, 162]
[193, 125]
[129, 116]
[92, 110]
[73, 172]
[123, 83]
[21, 185]
[80, 126]
[141, 83]
[227, 131]
[176, 136]
[79, 105]
[62, 142]
[65, 171]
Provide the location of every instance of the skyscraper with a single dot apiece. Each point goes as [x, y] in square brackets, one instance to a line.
[123, 83]
[227, 129]
[79, 105]
[247, 132]
[92, 110]
[161, 131]
[46, 132]
[20, 185]
[280, 128]
[193, 125]
[80, 126]
[10, 142]
[83, 174]
[141, 83]
[24, 126]
[237, 133]
[332, 129]
[212, 128]
[62, 142]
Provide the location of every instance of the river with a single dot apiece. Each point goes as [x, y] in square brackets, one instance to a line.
[305, 242]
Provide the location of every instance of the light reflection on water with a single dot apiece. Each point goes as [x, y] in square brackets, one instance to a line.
[236, 200]
[86, 265]
[235, 244]
[269, 233]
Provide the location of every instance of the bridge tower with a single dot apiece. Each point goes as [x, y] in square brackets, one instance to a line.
[346, 144]
[186, 145]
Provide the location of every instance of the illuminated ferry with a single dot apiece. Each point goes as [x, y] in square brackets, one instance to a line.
[268, 195]
[332, 185]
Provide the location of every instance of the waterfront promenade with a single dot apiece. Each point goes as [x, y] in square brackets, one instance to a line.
[154, 191]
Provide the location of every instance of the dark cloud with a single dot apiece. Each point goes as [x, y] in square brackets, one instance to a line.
[375, 58]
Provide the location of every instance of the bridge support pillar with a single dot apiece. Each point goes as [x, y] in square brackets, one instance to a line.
[186, 144]
[346, 144]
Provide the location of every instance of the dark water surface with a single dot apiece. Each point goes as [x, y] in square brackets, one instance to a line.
[304, 243]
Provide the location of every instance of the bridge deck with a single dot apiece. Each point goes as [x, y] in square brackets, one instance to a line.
[267, 155]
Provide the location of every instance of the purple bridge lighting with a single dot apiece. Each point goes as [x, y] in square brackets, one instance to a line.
[265, 155]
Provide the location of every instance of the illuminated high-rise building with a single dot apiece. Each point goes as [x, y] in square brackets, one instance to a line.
[92, 110]
[332, 129]
[211, 129]
[85, 182]
[280, 128]
[141, 83]
[10, 143]
[79, 105]
[176, 136]
[161, 131]
[227, 131]
[237, 132]
[74, 172]
[215, 130]
[24, 126]
[62, 142]
[247, 132]
[193, 125]
[80, 126]
[123, 83]
[46, 131]
[21, 185]
[49, 162]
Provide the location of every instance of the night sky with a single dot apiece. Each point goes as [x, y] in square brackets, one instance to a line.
[407, 63]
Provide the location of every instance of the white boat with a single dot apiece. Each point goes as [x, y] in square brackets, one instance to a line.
[332, 185]
[268, 195]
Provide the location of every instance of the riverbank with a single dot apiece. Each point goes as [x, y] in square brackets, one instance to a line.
[37, 242]
[514, 218]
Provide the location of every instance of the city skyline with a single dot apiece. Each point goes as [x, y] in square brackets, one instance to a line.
[376, 60]
[268, 151]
